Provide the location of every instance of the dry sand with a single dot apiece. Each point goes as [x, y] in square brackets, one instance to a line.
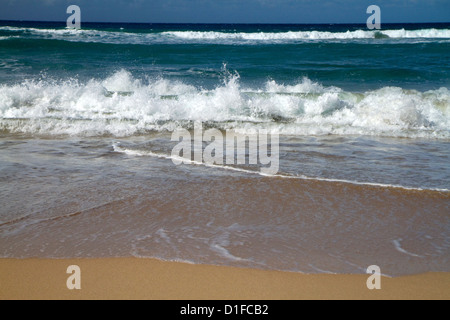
[133, 278]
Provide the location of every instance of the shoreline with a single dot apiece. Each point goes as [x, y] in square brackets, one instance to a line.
[151, 279]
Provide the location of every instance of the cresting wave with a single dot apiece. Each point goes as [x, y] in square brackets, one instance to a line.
[314, 35]
[152, 37]
[122, 105]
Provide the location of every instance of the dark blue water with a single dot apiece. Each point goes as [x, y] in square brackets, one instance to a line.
[285, 53]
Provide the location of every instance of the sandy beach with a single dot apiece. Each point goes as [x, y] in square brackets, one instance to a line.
[133, 278]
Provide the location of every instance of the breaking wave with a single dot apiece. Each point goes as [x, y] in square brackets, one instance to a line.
[152, 37]
[122, 105]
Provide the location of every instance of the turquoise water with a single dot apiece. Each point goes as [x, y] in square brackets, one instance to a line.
[346, 56]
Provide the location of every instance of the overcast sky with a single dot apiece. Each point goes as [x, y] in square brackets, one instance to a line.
[228, 11]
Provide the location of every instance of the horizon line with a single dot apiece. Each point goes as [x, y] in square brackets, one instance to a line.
[228, 23]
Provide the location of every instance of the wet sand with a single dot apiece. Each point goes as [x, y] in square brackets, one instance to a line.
[134, 278]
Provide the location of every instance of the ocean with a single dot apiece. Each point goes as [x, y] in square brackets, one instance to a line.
[363, 124]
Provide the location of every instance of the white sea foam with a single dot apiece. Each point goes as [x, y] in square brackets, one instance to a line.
[92, 35]
[146, 153]
[398, 247]
[311, 35]
[306, 86]
[85, 35]
[122, 105]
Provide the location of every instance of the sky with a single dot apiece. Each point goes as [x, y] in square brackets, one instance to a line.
[228, 11]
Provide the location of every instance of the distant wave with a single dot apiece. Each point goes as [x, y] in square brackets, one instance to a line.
[123, 37]
[122, 105]
[313, 35]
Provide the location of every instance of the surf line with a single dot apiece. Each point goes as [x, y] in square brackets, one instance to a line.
[260, 150]
[140, 153]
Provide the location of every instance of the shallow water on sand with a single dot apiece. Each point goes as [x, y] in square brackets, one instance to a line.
[65, 198]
